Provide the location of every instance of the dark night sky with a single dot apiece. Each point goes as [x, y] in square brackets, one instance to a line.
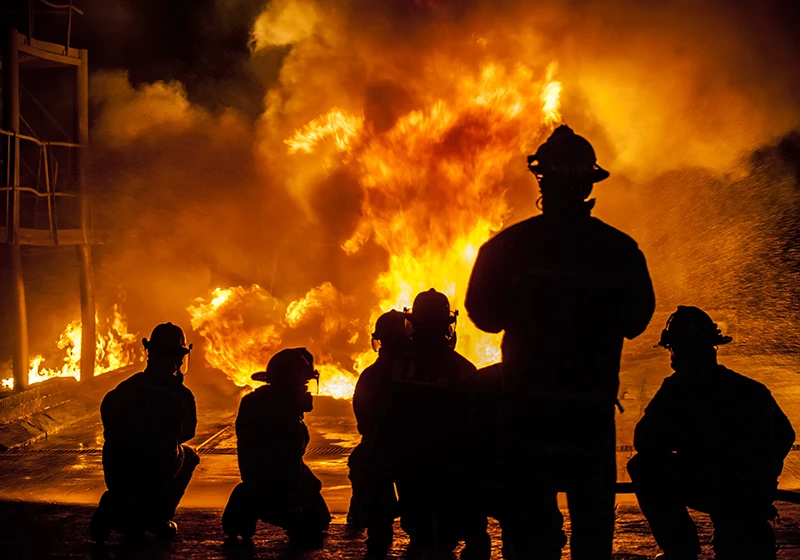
[204, 43]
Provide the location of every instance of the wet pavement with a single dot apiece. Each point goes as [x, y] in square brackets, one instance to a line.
[34, 530]
[48, 489]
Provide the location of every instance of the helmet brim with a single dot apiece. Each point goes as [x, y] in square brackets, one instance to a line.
[595, 176]
[599, 174]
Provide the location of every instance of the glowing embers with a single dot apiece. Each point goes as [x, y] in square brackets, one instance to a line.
[243, 328]
[115, 348]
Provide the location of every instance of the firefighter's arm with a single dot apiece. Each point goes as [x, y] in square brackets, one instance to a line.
[783, 435]
[640, 298]
[487, 293]
[364, 398]
[188, 416]
[654, 434]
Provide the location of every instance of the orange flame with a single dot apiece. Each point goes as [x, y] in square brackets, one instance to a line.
[113, 350]
[244, 327]
[551, 98]
[456, 146]
[433, 194]
[335, 124]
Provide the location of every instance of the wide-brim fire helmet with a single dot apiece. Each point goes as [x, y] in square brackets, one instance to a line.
[166, 339]
[287, 366]
[567, 157]
[391, 328]
[691, 326]
[431, 312]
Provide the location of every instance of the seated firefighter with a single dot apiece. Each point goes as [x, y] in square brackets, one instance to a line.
[277, 486]
[146, 419]
[423, 434]
[712, 440]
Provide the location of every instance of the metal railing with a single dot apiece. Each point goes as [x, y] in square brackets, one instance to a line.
[45, 170]
[58, 9]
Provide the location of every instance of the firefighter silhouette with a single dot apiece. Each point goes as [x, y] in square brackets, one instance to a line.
[713, 440]
[420, 437]
[374, 502]
[566, 289]
[277, 486]
[146, 420]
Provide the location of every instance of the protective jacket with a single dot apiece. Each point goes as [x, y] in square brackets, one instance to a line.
[272, 439]
[146, 418]
[566, 290]
[724, 428]
[426, 403]
[369, 397]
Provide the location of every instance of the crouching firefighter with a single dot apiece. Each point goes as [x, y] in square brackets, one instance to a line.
[374, 502]
[712, 440]
[277, 487]
[146, 419]
[425, 435]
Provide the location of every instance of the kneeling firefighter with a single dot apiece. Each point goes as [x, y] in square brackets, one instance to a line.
[146, 419]
[712, 440]
[277, 486]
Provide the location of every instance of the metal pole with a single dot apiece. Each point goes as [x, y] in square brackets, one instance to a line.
[12, 256]
[89, 328]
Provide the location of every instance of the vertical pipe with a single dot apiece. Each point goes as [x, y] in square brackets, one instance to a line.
[81, 112]
[12, 256]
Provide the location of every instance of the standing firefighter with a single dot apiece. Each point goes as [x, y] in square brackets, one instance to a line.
[146, 419]
[277, 486]
[712, 440]
[567, 289]
[374, 502]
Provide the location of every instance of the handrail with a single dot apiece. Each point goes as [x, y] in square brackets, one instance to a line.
[62, 6]
[38, 193]
[57, 9]
[37, 141]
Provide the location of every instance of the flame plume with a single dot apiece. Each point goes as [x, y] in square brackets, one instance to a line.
[244, 327]
[433, 194]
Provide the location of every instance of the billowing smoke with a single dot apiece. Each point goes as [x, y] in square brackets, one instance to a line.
[686, 103]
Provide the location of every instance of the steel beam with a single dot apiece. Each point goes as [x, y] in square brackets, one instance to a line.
[84, 250]
[12, 258]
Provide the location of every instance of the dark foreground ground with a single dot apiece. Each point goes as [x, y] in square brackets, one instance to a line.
[48, 490]
[41, 530]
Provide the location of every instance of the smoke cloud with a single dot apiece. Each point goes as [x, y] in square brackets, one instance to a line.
[689, 104]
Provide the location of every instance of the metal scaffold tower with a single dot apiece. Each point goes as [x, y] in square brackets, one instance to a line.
[42, 198]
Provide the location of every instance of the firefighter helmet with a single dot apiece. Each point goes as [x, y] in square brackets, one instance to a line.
[567, 156]
[296, 362]
[166, 338]
[431, 308]
[390, 328]
[691, 326]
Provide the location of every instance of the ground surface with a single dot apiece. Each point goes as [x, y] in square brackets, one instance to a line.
[47, 489]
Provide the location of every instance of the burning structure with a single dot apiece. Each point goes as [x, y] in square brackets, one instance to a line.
[357, 153]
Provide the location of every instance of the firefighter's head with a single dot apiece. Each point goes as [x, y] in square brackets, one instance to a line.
[692, 337]
[566, 168]
[166, 348]
[431, 318]
[290, 370]
[391, 332]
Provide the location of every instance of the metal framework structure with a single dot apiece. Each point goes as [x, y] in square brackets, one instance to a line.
[21, 217]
